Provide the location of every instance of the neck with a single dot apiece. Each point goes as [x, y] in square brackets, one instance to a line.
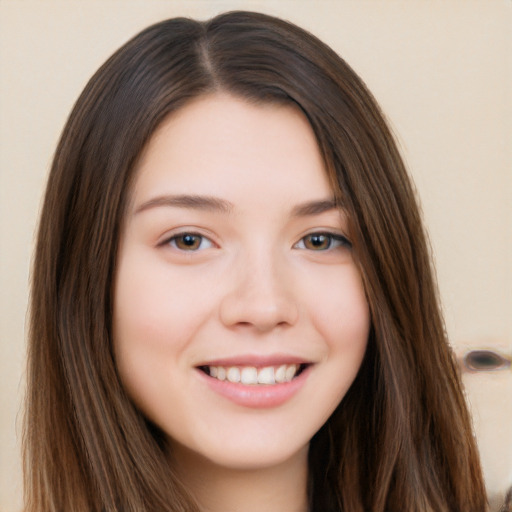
[218, 489]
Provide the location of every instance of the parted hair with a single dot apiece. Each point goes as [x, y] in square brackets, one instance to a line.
[400, 440]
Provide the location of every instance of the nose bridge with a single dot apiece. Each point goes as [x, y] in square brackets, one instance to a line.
[261, 292]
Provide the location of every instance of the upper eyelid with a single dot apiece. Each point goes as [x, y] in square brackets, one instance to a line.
[192, 230]
[335, 233]
[166, 238]
[203, 239]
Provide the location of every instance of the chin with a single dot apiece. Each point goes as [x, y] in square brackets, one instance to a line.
[246, 455]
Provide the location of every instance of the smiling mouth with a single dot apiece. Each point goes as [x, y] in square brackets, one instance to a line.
[252, 376]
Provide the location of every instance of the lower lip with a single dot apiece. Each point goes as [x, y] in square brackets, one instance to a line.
[257, 396]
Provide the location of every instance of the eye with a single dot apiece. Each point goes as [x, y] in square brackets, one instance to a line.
[189, 242]
[322, 242]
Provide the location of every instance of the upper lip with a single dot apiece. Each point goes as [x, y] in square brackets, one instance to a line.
[256, 360]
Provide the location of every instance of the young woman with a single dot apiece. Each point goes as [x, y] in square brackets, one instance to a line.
[233, 306]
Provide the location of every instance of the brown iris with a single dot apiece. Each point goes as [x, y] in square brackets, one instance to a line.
[317, 242]
[188, 242]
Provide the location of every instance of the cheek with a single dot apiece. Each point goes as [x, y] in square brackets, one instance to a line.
[152, 305]
[341, 313]
[143, 315]
[155, 316]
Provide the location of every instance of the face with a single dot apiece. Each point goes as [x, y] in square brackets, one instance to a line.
[240, 319]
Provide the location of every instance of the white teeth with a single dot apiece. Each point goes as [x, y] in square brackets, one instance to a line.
[290, 372]
[280, 374]
[250, 375]
[233, 374]
[266, 376]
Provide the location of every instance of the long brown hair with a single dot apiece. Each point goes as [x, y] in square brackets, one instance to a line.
[401, 439]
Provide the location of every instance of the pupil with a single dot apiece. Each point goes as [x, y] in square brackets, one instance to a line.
[189, 240]
[319, 241]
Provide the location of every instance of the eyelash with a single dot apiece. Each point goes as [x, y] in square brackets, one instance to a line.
[172, 241]
[331, 239]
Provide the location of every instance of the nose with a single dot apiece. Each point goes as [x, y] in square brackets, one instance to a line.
[260, 296]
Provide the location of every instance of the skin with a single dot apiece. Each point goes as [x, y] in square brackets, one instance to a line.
[251, 284]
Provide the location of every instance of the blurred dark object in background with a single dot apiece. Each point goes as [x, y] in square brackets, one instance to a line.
[481, 360]
[507, 506]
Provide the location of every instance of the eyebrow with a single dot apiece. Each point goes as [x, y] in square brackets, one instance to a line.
[196, 202]
[215, 204]
[314, 208]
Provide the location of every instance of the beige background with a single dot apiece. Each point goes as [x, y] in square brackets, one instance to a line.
[442, 71]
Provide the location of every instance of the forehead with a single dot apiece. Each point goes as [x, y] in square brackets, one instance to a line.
[219, 144]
